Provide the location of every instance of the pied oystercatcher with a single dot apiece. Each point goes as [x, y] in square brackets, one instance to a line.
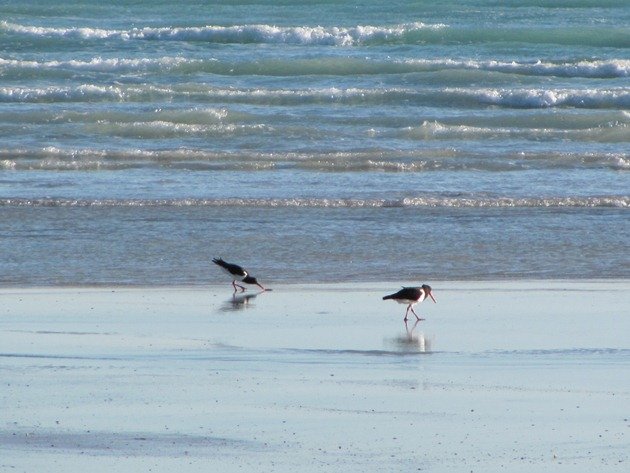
[237, 272]
[411, 296]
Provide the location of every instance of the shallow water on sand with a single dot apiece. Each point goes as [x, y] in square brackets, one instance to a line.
[509, 376]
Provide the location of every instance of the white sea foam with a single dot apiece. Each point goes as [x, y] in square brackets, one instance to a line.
[100, 64]
[62, 93]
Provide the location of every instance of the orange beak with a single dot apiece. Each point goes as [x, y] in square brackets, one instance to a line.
[431, 296]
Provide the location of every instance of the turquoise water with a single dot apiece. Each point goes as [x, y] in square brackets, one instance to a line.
[313, 141]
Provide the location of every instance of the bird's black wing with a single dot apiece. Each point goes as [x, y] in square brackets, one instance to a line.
[234, 269]
[409, 293]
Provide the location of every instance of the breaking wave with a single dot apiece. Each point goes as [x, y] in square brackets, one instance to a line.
[611, 98]
[302, 35]
[614, 132]
[617, 97]
[405, 33]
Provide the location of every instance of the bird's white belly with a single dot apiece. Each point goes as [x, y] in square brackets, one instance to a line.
[406, 301]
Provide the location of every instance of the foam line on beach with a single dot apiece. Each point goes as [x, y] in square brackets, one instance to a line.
[413, 202]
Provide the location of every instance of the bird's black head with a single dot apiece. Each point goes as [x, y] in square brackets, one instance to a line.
[428, 292]
[249, 280]
[252, 280]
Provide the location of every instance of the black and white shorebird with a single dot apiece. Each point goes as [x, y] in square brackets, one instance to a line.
[412, 296]
[237, 272]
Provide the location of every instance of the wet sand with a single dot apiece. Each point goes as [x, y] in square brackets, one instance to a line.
[501, 376]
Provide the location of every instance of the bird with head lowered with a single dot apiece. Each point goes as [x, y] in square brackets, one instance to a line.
[237, 272]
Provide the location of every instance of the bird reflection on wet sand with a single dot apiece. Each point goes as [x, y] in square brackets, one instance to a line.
[239, 302]
[411, 341]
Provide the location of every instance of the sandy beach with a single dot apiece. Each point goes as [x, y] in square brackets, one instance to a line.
[501, 376]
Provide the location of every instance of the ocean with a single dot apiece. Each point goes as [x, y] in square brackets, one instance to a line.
[320, 141]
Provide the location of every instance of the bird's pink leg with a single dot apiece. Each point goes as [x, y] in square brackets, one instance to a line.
[408, 307]
[237, 285]
[414, 313]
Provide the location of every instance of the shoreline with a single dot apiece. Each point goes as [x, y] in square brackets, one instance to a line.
[349, 284]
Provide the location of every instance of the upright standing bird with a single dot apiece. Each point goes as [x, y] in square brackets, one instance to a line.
[237, 272]
[411, 296]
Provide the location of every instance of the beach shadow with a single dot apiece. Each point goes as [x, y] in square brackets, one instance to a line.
[412, 341]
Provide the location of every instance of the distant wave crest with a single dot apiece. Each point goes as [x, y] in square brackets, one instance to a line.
[582, 68]
[611, 68]
[600, 98]
[420, 160]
